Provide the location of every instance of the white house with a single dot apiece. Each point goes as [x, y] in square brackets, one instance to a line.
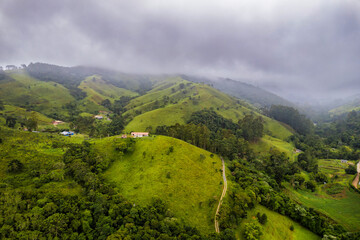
[343, 161]
[98, 117]
[139, 134]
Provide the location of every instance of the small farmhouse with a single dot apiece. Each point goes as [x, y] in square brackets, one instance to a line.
[344, 161]
[57, 122]
[139, 134]
[98, 117]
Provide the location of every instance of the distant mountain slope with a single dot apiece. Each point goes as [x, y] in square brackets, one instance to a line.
[22, 90]
[187, 178]
[158, 99]
[254, 95]
[350, 104]
[97, 90]
[174, 100]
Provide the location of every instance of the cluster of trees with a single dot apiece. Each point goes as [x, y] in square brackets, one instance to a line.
[208, 130]
[250, 128]
[292, 117]
[98, 128]
[223, 141]
[343, 131]
[30, 123]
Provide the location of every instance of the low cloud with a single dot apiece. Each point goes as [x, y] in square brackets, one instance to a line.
[313, 47]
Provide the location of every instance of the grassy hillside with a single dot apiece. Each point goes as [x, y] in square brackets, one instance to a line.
[37, 153]
[350, 105]
[334, 199]
[266, 143]
[14, 111]
[25, 91]
[187, 178]
[174, 100]
[98, 90]
[277, 226]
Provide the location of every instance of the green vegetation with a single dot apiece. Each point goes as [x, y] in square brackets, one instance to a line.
[164, 106]
[342, 210]
[334, 198]
[291, 116]
[92, 186]
[266, 143]
[186, 181]
[24, 91]
[97, 90]
[277, 226]
[21, 113]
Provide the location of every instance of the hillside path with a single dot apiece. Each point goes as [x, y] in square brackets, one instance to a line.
[356, 180]
[217, 229]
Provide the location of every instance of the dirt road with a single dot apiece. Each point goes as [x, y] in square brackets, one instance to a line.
[217, 229]
[356, 180]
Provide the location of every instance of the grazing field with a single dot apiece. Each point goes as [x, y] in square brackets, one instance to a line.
[14, 111]
[44, 97]
[266, 143]
[277, 226]
[335, 198]
[98, 90]
[186, 177]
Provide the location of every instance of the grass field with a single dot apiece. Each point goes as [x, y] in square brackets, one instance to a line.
[98, 90]
[188, 178]
[266, 143]
[277, 227]
[11, 110]
[44, 97]
[342, 206]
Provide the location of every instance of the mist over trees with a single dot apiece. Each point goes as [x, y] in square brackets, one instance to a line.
[292, 117]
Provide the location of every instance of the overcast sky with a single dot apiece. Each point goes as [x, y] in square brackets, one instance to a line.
[295, 48]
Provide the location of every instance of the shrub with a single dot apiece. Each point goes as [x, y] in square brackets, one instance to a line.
[15, 166]
[253, 231]
[321, 177]
[351, 170]
[311, 185]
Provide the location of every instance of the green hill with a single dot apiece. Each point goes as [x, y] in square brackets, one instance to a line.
[187, 178]
[19, 112]
[97, 90]
[174, 100]
[24, 91]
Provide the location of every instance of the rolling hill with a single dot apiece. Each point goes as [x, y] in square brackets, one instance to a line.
[350, 105]
[174, 100]
[22, 90]
[187, 178]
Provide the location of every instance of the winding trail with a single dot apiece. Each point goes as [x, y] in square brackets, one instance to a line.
[217, 229]
[356, 180]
